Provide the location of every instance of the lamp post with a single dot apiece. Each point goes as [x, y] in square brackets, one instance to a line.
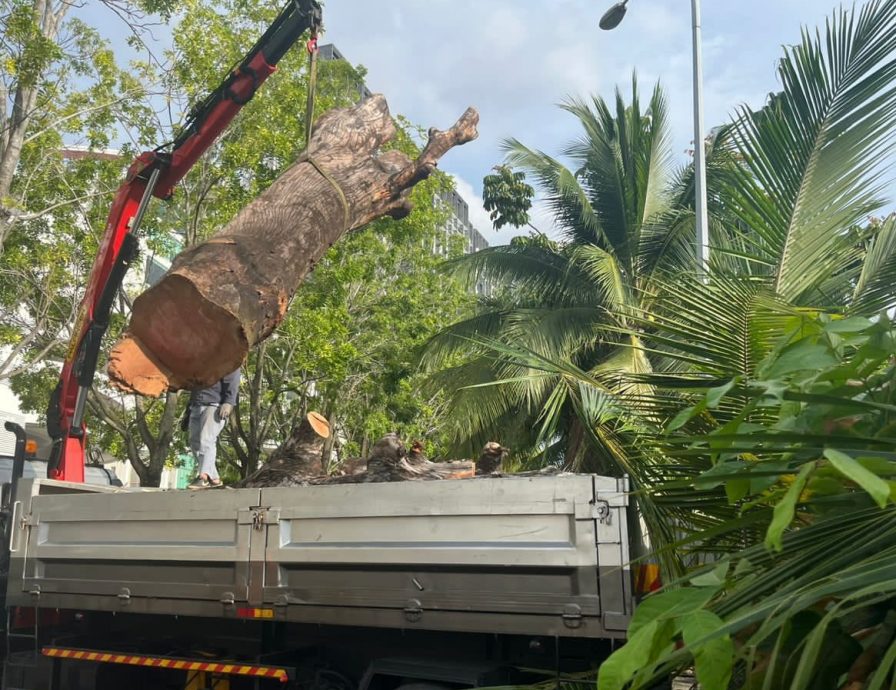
[611, 19]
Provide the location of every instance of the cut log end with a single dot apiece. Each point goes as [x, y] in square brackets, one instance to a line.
[133, 369]
[319, 424]
[176, 329]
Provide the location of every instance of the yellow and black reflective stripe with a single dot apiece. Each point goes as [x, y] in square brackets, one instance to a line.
[233, 669]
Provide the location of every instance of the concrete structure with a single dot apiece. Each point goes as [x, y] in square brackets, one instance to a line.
[330, 52]
[459, 224]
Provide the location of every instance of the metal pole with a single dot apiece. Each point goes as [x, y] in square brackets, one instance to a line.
[699, 150]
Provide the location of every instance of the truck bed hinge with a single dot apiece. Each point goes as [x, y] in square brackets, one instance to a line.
[601, 511]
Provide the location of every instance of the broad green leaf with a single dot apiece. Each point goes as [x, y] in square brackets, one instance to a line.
[876, 487]
[773, 389]
[670, 603]
[711, 478]
[853, 324]
[713, 657]
[737, 489]
[714, 395]
[803, 356]
[622, 664]
[685, 415]
[743, 568]
[786, 507]
[825, 486]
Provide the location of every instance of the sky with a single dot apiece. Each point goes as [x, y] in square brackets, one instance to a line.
[514, 60]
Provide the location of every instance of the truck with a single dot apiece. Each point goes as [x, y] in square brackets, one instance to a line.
[378, 586]
[441, 584]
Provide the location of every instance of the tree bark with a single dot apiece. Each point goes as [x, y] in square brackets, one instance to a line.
[224, 296]
[299, 457]
[389, 461]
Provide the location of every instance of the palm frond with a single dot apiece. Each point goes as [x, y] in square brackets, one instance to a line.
[814, 160]
[560, 190]
[875, 288]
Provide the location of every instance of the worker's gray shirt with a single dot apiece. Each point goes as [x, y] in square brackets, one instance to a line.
[224, 391]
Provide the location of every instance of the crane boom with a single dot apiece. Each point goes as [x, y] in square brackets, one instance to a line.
[153, 174]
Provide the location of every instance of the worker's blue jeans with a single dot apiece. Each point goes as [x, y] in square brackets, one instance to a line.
[204, 430]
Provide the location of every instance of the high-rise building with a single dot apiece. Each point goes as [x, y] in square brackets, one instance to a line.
[331, 52]
[459, 224]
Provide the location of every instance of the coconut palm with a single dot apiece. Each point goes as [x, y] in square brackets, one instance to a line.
[565, 299]
[770, 404]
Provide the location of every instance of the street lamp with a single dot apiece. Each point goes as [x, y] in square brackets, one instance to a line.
[613, 16]
[611, 19]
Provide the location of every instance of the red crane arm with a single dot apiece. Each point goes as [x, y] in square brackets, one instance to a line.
[153, 173]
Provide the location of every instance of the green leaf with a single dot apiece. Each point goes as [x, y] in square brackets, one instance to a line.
[825, 486]
[853, 324]
[615, 672]
[803, 356]
[743, 568]
[717, 474]
[713, 657]
[686, 415]
[714, 578]
[786, 508]
[737, 489]
[876, 487]
[714, 395]
[670, 603]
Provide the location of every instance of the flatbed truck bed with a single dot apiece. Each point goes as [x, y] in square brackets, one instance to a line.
[538, 560]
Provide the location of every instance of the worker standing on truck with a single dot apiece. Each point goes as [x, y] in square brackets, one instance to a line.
[207, 414]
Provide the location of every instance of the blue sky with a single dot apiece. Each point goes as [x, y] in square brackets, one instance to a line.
[515, 59]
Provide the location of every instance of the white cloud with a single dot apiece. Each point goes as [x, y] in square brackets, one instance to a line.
[515, 60]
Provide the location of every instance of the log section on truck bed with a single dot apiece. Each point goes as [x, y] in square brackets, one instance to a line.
[224, 296]
[297, 462]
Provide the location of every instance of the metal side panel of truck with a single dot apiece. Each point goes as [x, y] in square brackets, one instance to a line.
[540, 555]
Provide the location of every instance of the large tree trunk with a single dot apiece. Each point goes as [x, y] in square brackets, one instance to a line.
[222, 297]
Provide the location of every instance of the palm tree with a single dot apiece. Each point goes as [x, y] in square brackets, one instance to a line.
[747, 401]
[566, 299]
